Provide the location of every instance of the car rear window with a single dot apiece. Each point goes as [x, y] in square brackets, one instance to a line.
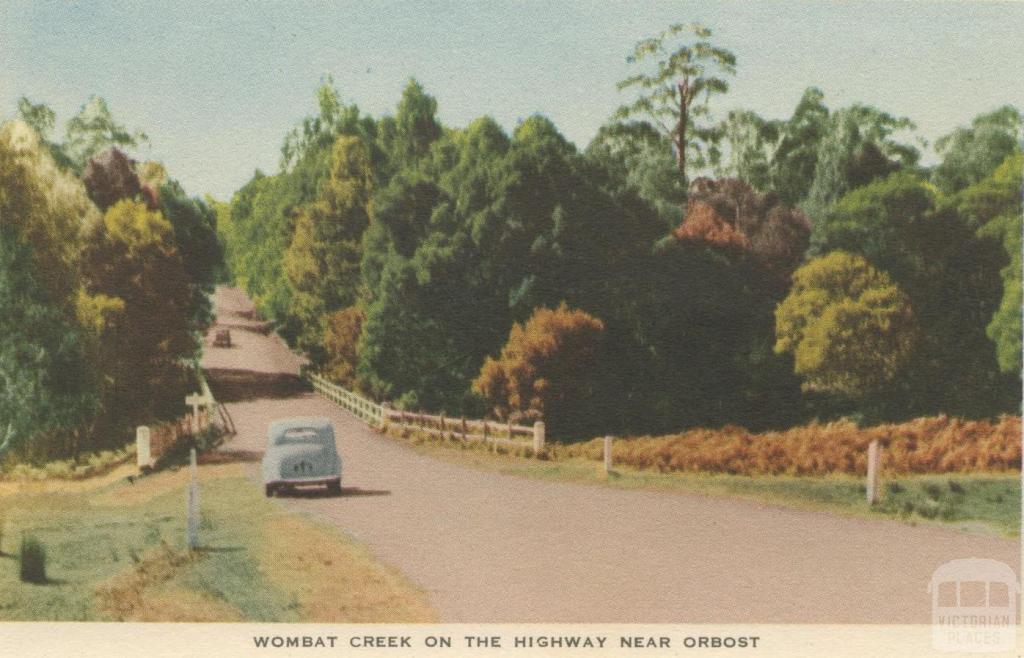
[300, 436]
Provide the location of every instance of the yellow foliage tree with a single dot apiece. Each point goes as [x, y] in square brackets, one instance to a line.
[322, 261]
[341, 339]
[847, 325]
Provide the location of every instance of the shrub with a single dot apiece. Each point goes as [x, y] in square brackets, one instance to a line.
[33, 560]
[545, 369]
[924, 445]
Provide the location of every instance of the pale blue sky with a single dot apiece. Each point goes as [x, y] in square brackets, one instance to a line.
[217, 84]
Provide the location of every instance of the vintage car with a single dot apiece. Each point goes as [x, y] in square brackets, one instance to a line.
[222, 338]
[301, 452]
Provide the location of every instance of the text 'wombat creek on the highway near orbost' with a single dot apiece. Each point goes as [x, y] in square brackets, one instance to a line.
[515, 642]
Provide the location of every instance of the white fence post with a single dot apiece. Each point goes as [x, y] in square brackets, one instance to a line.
[143, 453]
[192, 521]
[874, 466]
[607, 454]
[538, 436]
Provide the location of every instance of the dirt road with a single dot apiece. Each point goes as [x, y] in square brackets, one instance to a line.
[494, 548]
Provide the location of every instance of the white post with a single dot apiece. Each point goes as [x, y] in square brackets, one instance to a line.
[874, 464]
[192, 521]
[538, 436]
[607, 454]
[143, 453]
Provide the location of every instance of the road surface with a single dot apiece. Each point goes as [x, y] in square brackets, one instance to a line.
[497, 548]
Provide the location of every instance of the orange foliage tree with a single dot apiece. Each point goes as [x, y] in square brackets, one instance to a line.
[545, 368]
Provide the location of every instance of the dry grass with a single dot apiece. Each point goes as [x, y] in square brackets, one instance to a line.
[924, 445]
[145, 593]
[63, 486]
[335, 581]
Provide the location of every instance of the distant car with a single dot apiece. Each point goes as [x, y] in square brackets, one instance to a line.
[222, 338]
[301, 452]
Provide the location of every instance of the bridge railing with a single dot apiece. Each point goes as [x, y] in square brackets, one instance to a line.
[368, 410]
[382, 416]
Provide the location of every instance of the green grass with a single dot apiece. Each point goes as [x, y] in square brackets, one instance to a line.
[981, 503]
[116, 552]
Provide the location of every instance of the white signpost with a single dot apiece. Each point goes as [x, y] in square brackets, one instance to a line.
[192, 506]
[143, 452]
[197, 401]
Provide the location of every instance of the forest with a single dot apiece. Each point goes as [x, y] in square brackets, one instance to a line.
[679, 271]
[106, 267]
[686, 268]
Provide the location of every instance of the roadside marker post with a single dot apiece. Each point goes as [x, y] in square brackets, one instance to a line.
[143, 448]
[538, 436]
[874, 466]
[192, 506]
[607, 455]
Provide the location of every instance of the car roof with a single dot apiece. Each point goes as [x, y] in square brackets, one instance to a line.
[282, 425]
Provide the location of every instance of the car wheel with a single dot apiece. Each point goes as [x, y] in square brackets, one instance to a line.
[334, 487]
[269, 490]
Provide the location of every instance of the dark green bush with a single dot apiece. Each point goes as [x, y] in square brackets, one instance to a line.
[33, 560]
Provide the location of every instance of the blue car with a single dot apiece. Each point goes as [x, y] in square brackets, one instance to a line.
[301, 452]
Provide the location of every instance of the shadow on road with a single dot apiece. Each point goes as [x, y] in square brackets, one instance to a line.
[323, 493]
[230, 385]
[230, 456]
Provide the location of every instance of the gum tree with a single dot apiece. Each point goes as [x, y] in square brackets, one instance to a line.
[676, 93]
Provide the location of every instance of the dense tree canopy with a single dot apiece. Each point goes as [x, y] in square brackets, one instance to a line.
[970, 154]
[849, 327]
[98, 312]
[462, 233]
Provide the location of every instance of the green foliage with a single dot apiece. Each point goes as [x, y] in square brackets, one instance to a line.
[415, 126]
[855, 149]
[93, 130]
[817, 155]
[461, 233]
[752, 145]
[322, 262]
[44, 207]
[47, 391]
[39, 117]
[676, 94]
[970, 154]
[848, 326]
[264, 213]
[130, 256]
[195, 239]
[635, 158]
[952, 279]
[1000, 195]
[32, 561]
[485, 232]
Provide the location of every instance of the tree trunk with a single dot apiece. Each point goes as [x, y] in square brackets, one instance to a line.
[684, 102]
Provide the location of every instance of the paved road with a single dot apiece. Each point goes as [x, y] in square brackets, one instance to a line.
[496, 548]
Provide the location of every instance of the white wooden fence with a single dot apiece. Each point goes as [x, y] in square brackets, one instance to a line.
[368, 410]
[468, 429]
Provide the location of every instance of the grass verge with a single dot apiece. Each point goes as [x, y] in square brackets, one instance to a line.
[115, 551]
[979, 503]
